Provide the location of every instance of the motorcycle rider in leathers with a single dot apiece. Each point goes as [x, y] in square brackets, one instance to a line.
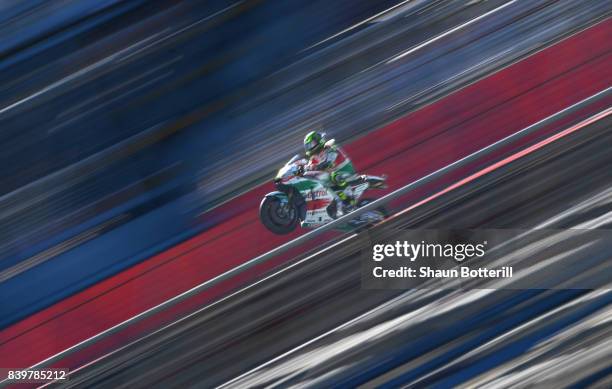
[325, 156]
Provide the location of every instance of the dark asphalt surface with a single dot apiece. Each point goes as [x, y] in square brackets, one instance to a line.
[313, 325]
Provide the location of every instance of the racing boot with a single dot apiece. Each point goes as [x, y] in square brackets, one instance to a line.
[348, 201]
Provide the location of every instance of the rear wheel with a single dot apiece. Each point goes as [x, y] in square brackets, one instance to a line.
[382, 211]
[365, 220]
[376, 183]
[278, 216]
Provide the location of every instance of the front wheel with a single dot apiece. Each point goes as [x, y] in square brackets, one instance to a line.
[278, 216]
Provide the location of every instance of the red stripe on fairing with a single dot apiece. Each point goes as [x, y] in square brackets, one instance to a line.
[317, 204]
[407, 149]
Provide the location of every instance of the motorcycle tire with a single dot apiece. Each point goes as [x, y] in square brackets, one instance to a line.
[276, 219]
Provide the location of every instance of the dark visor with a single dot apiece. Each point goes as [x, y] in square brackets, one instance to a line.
[311, 145]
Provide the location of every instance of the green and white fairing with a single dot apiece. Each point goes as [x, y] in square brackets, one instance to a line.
[306, 198]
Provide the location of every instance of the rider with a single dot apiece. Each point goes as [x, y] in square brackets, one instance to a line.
[324, 156]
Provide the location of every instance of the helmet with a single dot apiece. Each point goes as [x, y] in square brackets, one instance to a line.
[313, 143]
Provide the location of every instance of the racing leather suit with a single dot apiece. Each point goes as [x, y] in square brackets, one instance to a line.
[333, 160]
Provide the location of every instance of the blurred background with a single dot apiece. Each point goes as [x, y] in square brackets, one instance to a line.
[137, 139]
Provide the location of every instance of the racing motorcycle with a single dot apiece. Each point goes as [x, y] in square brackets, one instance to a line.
[302, 198]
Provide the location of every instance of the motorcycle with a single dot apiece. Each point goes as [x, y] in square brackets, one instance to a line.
[303, 198]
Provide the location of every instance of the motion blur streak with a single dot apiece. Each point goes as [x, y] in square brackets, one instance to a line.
[446, 33]
[151, 190]
[392, 326]
[138, 138]
[404, 338]
[566, 73]
[510, 159]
